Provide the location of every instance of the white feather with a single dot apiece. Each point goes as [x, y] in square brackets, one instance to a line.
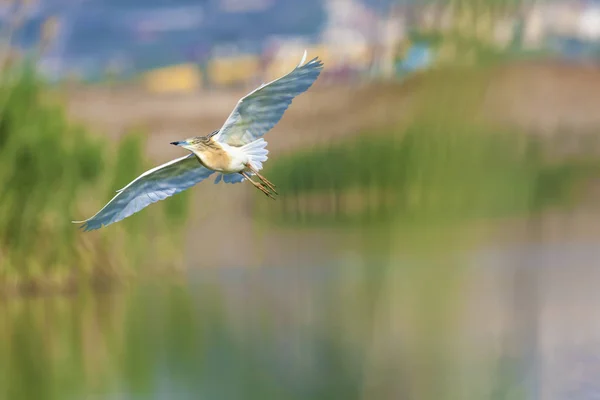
[260, 110]
[152, 186]
[254, 153]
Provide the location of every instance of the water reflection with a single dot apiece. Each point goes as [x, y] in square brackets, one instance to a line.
[478, 323]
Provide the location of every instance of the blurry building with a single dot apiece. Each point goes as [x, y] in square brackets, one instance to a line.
[589, 22]
[358, 38]
[285, 54]
[577, 19]
[392, 34]
[504, 31]
[534, 28]
[233, 70]
[345, 34]
[572, 28]
[183, 78]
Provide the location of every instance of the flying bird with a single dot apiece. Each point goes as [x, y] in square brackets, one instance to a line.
[236, 152]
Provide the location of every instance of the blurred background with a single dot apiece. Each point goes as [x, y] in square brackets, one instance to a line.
[436, 234]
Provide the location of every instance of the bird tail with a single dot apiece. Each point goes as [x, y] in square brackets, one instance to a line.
[257, 154]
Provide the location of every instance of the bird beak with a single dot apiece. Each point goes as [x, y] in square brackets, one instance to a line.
[182, 143]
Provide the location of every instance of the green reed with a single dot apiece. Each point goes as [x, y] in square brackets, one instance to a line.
[53, 172]
[446, 161]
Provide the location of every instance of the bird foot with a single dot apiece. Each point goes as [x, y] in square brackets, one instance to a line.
[262, 179]
[266, 191]
[260, 186]
[268, 184]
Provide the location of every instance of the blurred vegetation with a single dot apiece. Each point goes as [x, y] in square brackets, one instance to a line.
[422, 173]
[151, 340]
[54, 172]
[165, 340]
[445, 162]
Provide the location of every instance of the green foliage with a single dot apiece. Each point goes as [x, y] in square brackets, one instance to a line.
[427, 171]
[49, 166]
[446, 161]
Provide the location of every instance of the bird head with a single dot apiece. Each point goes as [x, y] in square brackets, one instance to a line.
[197, 142]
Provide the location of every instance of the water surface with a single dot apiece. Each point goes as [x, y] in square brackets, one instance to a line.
[495, 319]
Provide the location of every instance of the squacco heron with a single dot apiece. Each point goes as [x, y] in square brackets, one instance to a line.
[236, 152]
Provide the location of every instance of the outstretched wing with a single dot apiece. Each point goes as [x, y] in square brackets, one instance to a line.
[150, 187]
[259, 111]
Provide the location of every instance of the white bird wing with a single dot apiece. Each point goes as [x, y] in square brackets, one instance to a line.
[259, 111]
[153, 185]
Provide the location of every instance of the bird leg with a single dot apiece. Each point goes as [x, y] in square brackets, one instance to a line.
[262, 178]
[258, 185]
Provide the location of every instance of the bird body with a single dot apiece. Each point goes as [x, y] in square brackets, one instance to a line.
[224, 158]
[221, 157]
[236, 152]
